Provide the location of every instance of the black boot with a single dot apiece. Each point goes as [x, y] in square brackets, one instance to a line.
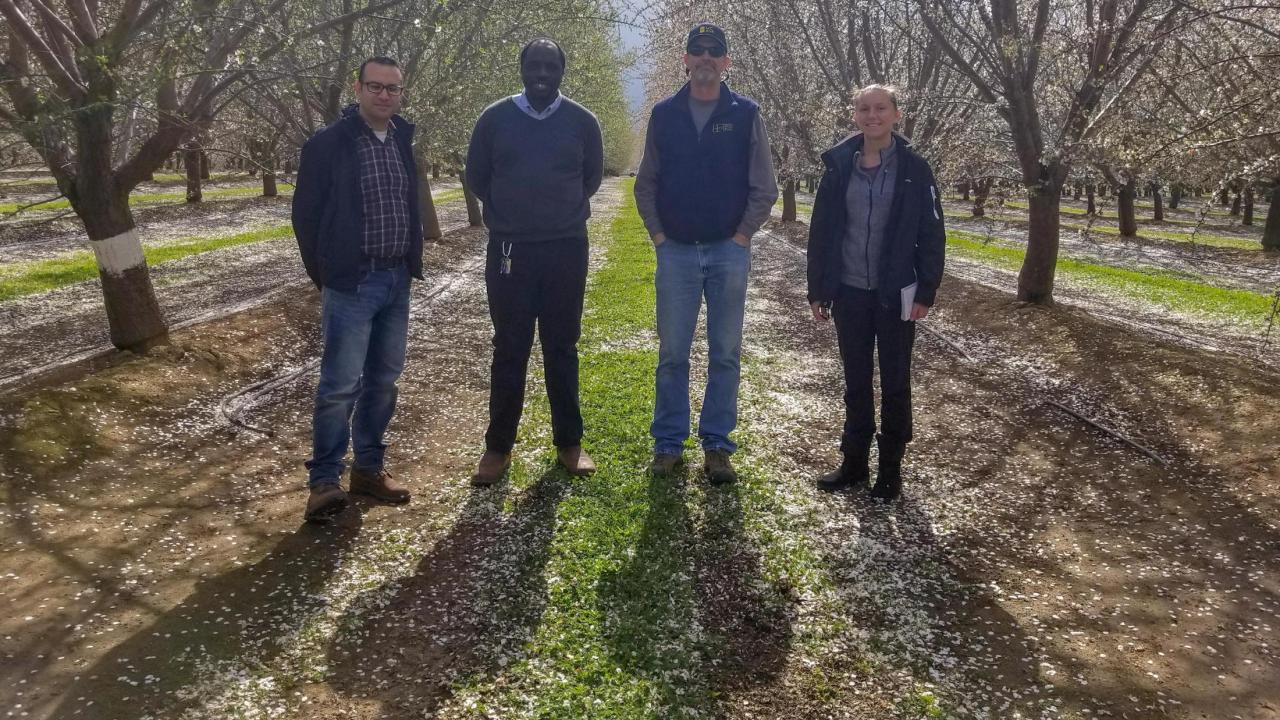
[853, 470]
[889, 481]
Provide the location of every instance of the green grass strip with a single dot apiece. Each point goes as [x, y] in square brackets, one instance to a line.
[1223, 241]
[19, 279]
[1170, 290]
[622, 634]
[147, 198]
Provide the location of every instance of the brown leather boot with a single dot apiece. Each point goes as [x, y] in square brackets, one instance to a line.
[379, 484]
[325, 502]
[576, 460]
[493, 465]
[718, 468]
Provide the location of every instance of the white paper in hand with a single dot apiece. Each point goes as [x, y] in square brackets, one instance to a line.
[908, 300]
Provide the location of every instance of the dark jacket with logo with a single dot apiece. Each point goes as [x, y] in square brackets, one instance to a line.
[703, 184]
[915, 240]
[328, 211]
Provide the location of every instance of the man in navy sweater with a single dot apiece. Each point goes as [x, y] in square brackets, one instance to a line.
[704, 187]
[535, 160]
[355, 214]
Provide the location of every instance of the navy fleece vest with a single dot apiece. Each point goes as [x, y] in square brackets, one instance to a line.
[702, 179]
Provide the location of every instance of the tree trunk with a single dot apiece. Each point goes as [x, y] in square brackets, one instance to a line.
[1175, 196]
[1224, 198]
[133, 314]
[1076, 192]
[426, 203]
[789, 201]
[1157, 203]
[964, 191]
[1091, 193]
[191, 160]
[435, 171]
[1235, 204]
[269, 184]
[474, 217]
[204, 165]
[1035, 280]
[981, 191]
[1271, 235]
[1124, 207]
[1248, 205]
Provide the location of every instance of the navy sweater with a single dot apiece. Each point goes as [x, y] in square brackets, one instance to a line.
[535, 177]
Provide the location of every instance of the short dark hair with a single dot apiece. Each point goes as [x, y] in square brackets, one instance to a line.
[377, 60]
[543, 39]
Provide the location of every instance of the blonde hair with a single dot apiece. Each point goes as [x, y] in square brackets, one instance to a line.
[890, 90]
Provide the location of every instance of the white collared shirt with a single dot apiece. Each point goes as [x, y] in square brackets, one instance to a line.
[522, 102]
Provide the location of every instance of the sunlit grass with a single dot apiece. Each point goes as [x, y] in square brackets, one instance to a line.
[1173, 291]
[19, 279]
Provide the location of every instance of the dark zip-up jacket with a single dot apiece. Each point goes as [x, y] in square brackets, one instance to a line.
[914, 241]
[328, 215]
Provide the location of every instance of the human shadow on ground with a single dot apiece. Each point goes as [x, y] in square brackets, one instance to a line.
[232, 620]
[690, 610]
[469, 608]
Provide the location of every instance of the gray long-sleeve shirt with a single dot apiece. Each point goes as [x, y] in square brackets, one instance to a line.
[867, 203]
[762, 189]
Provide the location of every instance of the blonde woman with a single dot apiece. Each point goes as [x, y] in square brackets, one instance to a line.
[876, 246]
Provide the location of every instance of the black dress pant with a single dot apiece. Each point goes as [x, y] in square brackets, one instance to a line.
[544, 287]
[862, 325]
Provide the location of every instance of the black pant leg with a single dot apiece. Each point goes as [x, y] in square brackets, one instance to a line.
[512, 308]
[895, 338]
[564, 283]
[855, 330]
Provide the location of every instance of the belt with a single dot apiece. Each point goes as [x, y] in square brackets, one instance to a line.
[379, 263]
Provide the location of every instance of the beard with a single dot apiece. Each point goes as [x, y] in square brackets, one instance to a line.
[704, 74]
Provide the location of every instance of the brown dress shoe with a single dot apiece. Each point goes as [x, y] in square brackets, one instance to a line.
[325, 502]
[493, 465]
[379, 484]
[576, 460]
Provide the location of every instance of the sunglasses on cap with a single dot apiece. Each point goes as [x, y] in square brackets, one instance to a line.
[714, 51]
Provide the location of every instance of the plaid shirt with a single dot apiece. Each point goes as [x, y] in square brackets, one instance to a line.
[384, 189]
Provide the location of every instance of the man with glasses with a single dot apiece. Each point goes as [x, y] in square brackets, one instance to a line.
[535, 160]
[704, 187]
[356, 217]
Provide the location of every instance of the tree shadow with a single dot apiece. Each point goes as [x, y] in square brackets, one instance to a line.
[468, 610]
[233, 618]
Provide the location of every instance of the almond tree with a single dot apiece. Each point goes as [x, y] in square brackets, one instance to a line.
[66, 65]
[1054, 70]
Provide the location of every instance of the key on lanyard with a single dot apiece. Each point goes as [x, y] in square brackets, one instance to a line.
[504, 266]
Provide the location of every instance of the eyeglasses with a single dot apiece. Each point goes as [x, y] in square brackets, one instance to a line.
[376, 88]
[714, 51]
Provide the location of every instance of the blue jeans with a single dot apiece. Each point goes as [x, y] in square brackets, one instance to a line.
[365, 334]
[686, 274]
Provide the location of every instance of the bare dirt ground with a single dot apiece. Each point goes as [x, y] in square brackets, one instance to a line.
[1038, 567]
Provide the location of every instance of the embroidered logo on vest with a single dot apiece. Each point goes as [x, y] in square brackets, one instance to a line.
[722, 127]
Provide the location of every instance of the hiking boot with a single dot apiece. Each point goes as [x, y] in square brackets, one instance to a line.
[853, 470]
[325, 501]
[379, 484]
[663, 464]
[493, 465]
[889, 480]
[718, 468]
[576, 461]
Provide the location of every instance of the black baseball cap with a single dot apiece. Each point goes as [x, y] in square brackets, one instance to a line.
[707, 30]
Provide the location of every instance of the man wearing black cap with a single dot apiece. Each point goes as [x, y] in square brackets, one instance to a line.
[704, 187]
